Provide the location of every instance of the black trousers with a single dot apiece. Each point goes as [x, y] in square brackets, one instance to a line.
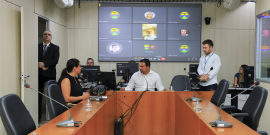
[41, 81]
[207, 88]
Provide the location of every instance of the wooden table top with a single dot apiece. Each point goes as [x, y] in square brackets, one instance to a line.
[210, 113]
[78, 113]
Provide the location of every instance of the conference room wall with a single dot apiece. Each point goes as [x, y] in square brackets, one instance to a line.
[263, 6]
[231, 30]
[10, 38]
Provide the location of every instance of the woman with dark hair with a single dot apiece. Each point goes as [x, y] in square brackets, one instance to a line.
[239, 77]
[71, 88]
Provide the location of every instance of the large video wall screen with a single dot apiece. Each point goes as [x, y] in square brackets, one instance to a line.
[159, 32]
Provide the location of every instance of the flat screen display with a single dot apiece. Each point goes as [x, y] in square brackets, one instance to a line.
[158, 32]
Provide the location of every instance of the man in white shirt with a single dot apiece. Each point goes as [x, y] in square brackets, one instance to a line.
[145, 79]
[210, 59]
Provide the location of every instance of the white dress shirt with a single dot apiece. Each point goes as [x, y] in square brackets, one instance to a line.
[47, 45]
[206, 62]
[138, 81]
[150, 37]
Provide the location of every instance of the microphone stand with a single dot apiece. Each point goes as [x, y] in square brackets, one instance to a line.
[193, 98]
[186, 80]
[146, 81]
[66, 123]
[219, 122]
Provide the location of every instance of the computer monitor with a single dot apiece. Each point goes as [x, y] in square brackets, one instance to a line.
[127, 69]
[248, 76]
[193, 77]
[89, 72]
[107, 79]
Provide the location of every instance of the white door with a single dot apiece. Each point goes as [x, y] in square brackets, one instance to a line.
[29, 61]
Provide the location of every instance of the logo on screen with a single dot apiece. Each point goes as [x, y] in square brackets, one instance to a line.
[184, 48]
[115, 15]
[146, 47]
[266, 15]
[184, 15]
[153, 47]
[265, 49]
[114, 31]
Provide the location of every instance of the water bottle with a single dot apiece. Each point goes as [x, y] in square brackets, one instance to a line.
[171, 89]
[88, 106]
[198, 107]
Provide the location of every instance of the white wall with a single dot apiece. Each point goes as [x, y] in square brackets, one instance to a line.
[10, 37]
[233, 34]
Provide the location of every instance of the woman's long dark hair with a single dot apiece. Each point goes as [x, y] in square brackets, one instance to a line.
[71, 63]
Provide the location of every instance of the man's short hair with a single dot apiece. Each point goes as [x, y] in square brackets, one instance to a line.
[47, 30]
[131, 61]
[209, 42]
[90, 59]
[146, 61]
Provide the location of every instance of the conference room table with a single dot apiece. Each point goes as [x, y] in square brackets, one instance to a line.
[157, 113]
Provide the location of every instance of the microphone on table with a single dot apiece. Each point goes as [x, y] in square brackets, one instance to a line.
[193, 98]
[219, 122]
[67, 123]
[145, 80]
[186, 79]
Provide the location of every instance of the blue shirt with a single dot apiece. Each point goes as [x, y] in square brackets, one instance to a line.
[237, 75]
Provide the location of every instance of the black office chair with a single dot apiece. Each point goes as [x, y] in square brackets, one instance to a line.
[55, 92]
[48, 117]
[220, 93]
[262, 132]
[179, 84]
[15, 117]
[253, 108]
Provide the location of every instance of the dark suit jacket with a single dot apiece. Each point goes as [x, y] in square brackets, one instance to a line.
[50, 59]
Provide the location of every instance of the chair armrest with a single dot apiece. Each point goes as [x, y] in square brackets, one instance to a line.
[228, 108]
[239, 116]
[262, 132]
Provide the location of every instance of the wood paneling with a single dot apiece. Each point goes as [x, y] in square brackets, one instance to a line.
[210, 113]
[102, 122]
[186, 120]
[78, 113]
[155, 114]
[158, 113]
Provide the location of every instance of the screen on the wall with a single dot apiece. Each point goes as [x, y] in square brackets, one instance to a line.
[158, 32]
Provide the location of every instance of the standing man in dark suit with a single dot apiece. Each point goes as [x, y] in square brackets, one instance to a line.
[48, 56]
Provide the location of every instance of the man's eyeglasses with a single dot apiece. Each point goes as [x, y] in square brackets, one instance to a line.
[45, 34]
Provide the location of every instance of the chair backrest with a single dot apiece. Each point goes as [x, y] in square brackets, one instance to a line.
[55, 92]
[46, 84]
[179, 84]
[15, 117]
[220, 93]
[254, 107]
